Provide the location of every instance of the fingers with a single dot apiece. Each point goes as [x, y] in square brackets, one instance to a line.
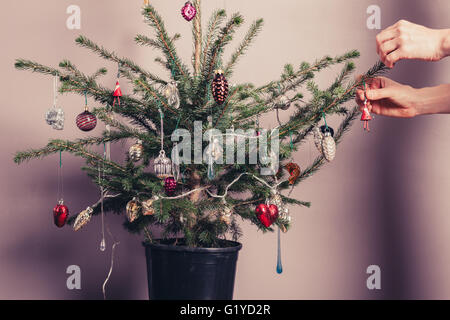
[391, 43]
[385, 35]
[392, 58]
[386, 48]
[371, 83]
[377, 94]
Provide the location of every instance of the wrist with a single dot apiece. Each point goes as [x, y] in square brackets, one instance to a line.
[445, 43]
[432, 100]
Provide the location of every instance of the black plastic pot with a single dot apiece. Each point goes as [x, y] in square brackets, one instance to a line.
[183, 273]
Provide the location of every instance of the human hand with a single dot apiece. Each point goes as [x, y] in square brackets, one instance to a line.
[406, 40]
[388, 98]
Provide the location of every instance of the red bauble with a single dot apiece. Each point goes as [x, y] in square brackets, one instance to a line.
[170, 184]
[86, 121]
[219, 87]
[188, 11]
[60, 214]
[267, 214]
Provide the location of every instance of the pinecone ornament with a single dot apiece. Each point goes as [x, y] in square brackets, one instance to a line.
[328, 147]
[318, 136]
[170, 184]
[132, 209]
[219, 87]
[136, 151]
[83, 219]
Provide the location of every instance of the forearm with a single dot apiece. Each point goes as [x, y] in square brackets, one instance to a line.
[433, 100]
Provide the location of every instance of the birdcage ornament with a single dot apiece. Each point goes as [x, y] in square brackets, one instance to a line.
[163, 166]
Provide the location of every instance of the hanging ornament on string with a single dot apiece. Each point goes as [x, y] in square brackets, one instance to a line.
[328, 147]
[219, 87]
[266, 213]
[283, 214]
[365, 116]
[175, 156]
[60, 211]
[136, 150]
[147, 206]
[83, 218]
[60, 214]
[215, 150]
[226, 213]
[294, 172]
[170, 92]
[282, 102]
[162, 165]
[257, 125]
[324, 141]
[318, 136]
[175, 162]
[283, 211]
[325, 128]
[170, 185]
[117, 91]
[86, 121]
[55, 116]
[101, 177]
[188, 11]
[212, 153]
[132, 209]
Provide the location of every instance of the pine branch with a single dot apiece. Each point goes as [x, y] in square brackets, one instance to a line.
[290, 80]
[155, 21]
[213, 27]
[102, 52]
[295, 122]
[320, 161]
[250, 36]
[80, 84]
[76, 148]
[224, 38]
[124, 130]
[146, 41]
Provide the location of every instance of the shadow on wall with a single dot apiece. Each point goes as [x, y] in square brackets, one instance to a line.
[398, 139]
[44, 253]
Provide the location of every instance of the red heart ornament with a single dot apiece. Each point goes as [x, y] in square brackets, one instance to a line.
[267, 214]
[273, 210]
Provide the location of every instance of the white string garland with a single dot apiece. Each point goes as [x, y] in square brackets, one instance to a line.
[226, 189]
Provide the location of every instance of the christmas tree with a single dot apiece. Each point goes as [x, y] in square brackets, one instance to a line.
[202, 200]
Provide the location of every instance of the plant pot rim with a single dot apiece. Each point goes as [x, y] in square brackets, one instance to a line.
[236, 246]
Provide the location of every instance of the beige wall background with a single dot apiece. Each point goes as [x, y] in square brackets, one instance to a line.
[384, 200]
